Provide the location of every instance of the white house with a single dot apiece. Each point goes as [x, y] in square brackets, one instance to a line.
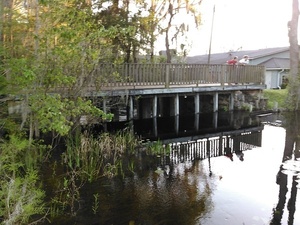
[275, 60]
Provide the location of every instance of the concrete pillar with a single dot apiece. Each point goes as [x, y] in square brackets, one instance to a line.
[130, 108]
[197, 103]
[160, 107]
[216, 102]
[231, 102]
[104, 109]
[154, 120]
[176, 105]
[231, 118]
[154, 106]
[196, 122]
[176, 124]
[215, 120]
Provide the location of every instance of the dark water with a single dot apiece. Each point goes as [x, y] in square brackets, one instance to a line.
[224, 169]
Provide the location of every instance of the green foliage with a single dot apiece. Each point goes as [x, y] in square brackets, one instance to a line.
[247, 107]
[278, 95]
[20, 196]
[55, 113]
[21, 199]
[293, 96]
[86, 159]
[61, 54]
[19, 155]
[157, 148]
[95, 206]
[22, 73]
[95, 157]
[56, 48]
[3, 85]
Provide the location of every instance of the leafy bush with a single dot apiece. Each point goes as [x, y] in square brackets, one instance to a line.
[276, 95]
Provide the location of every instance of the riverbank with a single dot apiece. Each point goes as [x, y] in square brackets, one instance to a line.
[276, 98]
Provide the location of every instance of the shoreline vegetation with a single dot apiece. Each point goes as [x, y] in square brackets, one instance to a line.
[276, 99]
[40, 183]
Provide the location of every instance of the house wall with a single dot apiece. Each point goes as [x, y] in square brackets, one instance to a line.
[275, 81]
[273, 78]
[268, 75]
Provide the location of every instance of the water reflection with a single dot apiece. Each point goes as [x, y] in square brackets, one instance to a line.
[152, 197]
[290, 168]
[219, 170]
[213, 145]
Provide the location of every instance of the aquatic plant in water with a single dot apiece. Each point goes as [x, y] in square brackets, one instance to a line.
[88, 158]
[157, 148]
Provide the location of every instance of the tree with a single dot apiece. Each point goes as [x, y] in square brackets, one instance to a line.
[52, 46]
[164, 20]
[294, 79]
[125, 18]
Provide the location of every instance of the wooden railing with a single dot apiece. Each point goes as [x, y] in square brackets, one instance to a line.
[110, 75]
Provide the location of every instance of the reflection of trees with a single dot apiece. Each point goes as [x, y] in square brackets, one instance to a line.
[179, 198]
[278, 210]
[292, 141]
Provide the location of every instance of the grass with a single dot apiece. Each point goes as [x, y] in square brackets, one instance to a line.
[276, 95]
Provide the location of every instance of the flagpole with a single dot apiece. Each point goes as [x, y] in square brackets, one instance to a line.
[211, 34]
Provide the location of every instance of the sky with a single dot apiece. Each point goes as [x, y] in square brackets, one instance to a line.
[241, 25]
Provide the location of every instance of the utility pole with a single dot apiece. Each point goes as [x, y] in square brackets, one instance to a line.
[211, 34]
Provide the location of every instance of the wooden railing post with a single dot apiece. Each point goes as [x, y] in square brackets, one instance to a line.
[262, 74]
[167, 84]
[223, 75]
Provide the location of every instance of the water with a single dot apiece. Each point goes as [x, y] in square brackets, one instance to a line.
[246, 192]
[196, 188]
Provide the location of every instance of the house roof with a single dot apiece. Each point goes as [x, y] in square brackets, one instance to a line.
[276, 63]
[221, 58]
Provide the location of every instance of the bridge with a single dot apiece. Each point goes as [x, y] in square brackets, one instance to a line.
[155, 90]
[168, 76]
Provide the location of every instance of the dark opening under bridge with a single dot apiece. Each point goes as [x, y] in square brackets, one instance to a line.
[154, 90]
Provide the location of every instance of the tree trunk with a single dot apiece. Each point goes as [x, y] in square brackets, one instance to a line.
[152, 30]
[294, 84]
[167, 43]
[1, 17]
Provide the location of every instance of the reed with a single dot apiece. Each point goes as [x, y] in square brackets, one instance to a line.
[86, 159]
[157, 148]
[95, 206]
